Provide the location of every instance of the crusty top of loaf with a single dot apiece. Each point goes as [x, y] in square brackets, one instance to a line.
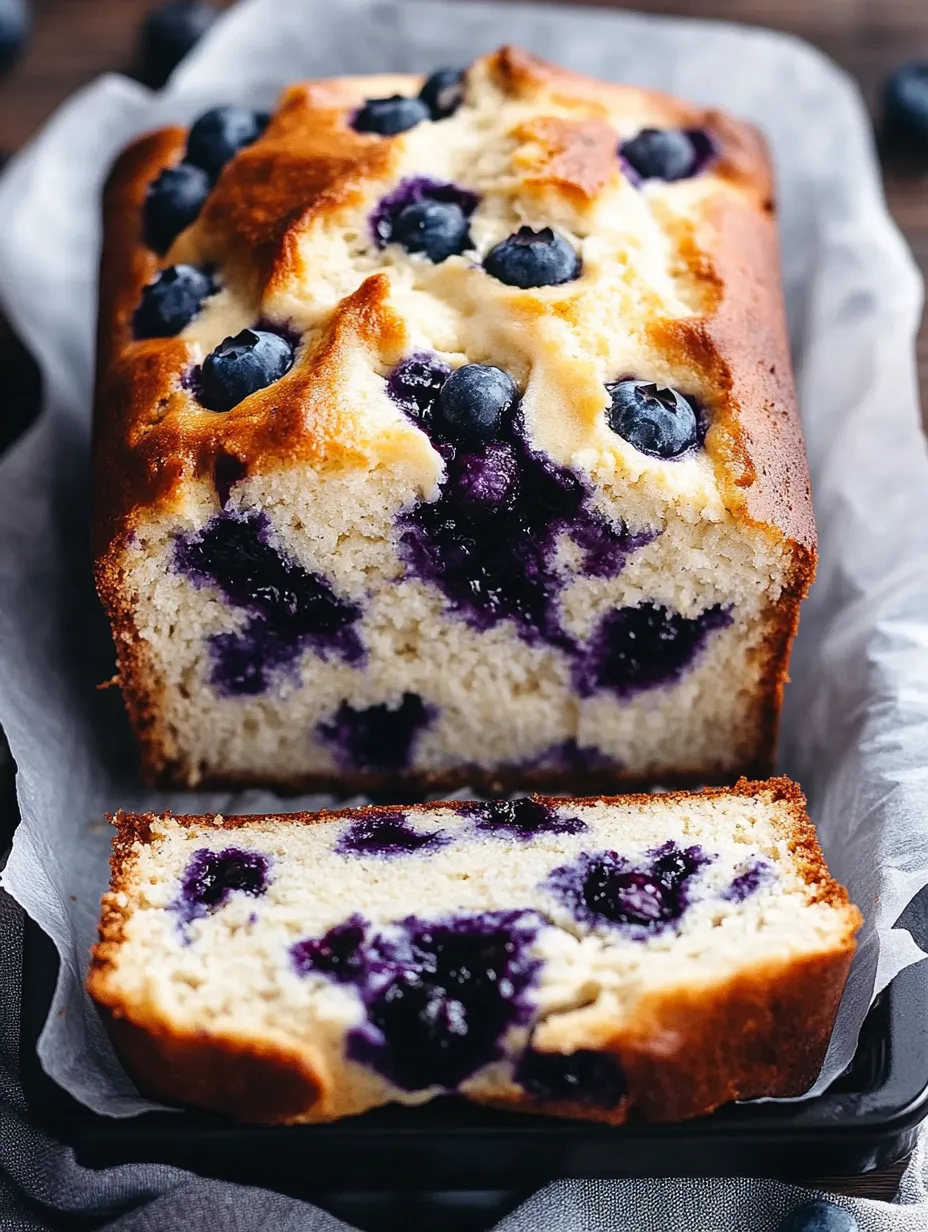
[702, 305]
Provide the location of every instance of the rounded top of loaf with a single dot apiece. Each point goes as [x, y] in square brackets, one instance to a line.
[678, 284]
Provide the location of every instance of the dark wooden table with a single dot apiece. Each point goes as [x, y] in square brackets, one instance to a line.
[75, 40]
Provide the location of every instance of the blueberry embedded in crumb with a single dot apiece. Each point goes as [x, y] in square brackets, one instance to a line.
[171, 302]
[644, 647]
[627, 898]
[211, 877]
[414, 385]
[219, 134]
[172, 203]
[337, 954]
[533, 259]
[389, 116]
[484, 481]
[376, 738]
[818, 1216]
[425, 215]
[443, 92]
[289, 609]
[439, 995]
[595, 1079]
[474, 401]
[168, 33]
[490, 542]
[659, 422]
[455, 988]
[521, 819]
[905, 106]
[242, 365]
[660, 154]
[604, 887]
[439, 229]
[15, 24]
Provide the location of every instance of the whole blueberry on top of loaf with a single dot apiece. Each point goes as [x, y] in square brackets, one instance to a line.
[219, 134]
[533, 259]
[447, 438]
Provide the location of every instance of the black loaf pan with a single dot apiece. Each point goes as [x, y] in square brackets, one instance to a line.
[867, 1120]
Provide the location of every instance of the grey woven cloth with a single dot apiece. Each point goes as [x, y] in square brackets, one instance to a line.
[43, 1188]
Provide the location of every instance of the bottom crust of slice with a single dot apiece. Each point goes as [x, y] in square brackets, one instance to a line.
[763, 1034]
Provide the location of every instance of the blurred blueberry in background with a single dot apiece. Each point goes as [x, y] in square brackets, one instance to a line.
[905, 109]
[15, 25]
[819, 1216]
[168, 33]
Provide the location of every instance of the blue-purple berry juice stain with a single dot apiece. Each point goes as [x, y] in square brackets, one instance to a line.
[586, 1077]
[376, 738]
[568, 755]
[289, 609]
[489, 542]
[439, 995]
[643, 647]
[212, 877]
[748, 882]
[382, 832]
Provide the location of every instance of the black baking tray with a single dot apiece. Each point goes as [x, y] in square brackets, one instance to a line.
[867, 1120]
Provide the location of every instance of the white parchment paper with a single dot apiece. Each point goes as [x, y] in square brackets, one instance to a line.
[856, 724]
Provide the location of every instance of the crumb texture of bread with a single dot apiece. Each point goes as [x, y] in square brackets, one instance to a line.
[597, 957]
[292, 579]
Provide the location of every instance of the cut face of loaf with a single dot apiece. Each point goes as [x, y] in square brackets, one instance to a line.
[505, 485]
[580, 957]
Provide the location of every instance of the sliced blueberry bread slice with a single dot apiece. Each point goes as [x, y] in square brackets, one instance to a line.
[574, 956]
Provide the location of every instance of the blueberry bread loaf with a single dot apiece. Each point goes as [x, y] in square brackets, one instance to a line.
[583, 957]
[446, 435]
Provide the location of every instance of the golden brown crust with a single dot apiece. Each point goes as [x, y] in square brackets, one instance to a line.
[743, 345]
[309, 164]
[763, 1032]
[247, 1079]
[151, 440]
